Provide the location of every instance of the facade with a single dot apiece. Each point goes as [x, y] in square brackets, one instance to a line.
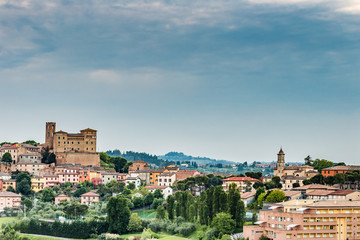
[5, 176]
[248, 197]
[9, 199]
[61, 198]
[107, 177]
[51, 180]
[89, 198]
[288, 182]
[34, 157]
[241, 183]
[121, 177]
[96, 181]
[8, 183]
[332, 171]
[71, 177]
[166, 179]
[154, 174]
[331, 220]
[313, 187]
[166, 191]
[134, 180]
[17, 150]
[139, 165]
[37, 184]
[36, 169]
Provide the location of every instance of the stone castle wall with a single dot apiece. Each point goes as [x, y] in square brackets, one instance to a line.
[85, 159]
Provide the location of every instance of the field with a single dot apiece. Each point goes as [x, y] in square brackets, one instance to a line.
[163, 236]
[5, 220]
[147, 214]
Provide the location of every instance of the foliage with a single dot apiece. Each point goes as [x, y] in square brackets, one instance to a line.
[118, 214]
[10, 189]
[75, 229]
[138, 202]
[320, 164]
[170, 207]
[23, 187]
[6, 158]
[27, 203]
[31, 142]
[157, 202]
[9, 234]
[260, 200]
[48, 195]
[135, 223]
[158, 194]
[48, 156]
[160, 212]
[276, 196]
[224, 223]
[256, 175]
[295, 185]
[75, 209]
[80, 191]
[149, 198]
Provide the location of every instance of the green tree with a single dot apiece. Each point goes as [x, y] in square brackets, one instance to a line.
[48, 195]
[160, 212]
[27, 203]
[253, 218]
[320, 164]
[10, 189]
[118, 214]
[149, 198]
[31, 142]
[192, 213]
[131, 186]
[80, 191]
[6, 158]
[260, 200]
[158, 194]
[48, 156]
[170, 206]
[157, 202]
[295, 185]
[135, 223]
[224, 223]
[276, 196]
[23, 187]
[75, 209]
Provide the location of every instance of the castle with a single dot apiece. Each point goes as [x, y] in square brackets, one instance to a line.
[73, 148]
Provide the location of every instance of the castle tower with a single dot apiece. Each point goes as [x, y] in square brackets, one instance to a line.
[49, 134]
[281, 160]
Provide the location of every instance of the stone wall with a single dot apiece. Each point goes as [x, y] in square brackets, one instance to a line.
[85, 159]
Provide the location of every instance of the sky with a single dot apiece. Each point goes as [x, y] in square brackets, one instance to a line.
[233, 80]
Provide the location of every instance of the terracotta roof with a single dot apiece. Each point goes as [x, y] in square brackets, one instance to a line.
[88, 130]
[315, 186]
[281, 151]
[319, 193]
[167, 174]
[291, 193]
[241, 179]
[9, 194]
[61, 195]
[335, 204]
[247, 195]
[90, 194]
[341, 192]
[342, 168]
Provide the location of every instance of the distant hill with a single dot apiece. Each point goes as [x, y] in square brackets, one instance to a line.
[181, 157]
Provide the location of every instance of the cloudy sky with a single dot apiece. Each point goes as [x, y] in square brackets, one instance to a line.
[225, 79]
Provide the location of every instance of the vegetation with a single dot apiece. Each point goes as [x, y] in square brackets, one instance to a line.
[6, 158]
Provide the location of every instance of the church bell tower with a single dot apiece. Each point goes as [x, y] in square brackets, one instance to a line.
[281, 160]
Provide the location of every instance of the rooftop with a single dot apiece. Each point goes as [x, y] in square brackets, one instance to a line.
[315, 186]
[335, 204]
[90, 194]
[342, 168]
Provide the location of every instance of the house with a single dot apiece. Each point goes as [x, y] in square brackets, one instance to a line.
[9, 183]
[241, 182]
[121, 177]
[96, 181]
[332, 171]
[72, 177]
[248, 197]
[165, 190]
[184, 174]
[107, 177]
[89, 197]
[350, 195]
[138, 165]
[292, 195]
[312, 187]
[5, 176]
[37, 184]
[51, 180]
[134, 180]
[61, 198]
[166, 179]
[9, 199]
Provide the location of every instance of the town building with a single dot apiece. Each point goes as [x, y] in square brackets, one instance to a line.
[121, 177]
[10, 200]
[243, 183]
[166, 179]
[61, 198]
[17, 150]
[332, 220]
[37, 184]
[184, 174]
[51, 180]
[89, 198]
[8, 183]
[71, 177]
[248, 197]
[32, 168]
[165, 190]
[5, 176]
[107, 177]
[332, 171]
[138, 165]
[34, 157]
[135, 180]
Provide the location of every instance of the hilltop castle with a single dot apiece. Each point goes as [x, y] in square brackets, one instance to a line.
[74, 148]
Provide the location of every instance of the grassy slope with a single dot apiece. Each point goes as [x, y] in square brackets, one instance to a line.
[5, 220]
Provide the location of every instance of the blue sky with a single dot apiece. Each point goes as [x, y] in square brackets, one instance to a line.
[230, 80]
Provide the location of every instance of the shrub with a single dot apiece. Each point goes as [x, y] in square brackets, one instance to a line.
[185, 229]
[211, 233]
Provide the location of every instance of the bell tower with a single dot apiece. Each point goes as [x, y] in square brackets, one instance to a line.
[281, 160]
[49, 134]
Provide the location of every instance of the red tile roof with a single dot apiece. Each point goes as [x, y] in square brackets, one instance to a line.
[90, 194]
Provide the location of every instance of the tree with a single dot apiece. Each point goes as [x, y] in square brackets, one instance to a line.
[160, 212]
[6, 158]
[135, 223]
[131, 186]
[295, 185]
[80, 191]
[27, 203]
[224, 223]
[260, 200]
[118, 214]
[149, 198]
[158, 194]
[138, 202]
[276, 196]
[48, 157]
[258, 184]
[170, 207]
[308, 160]
[75, 209]
[256, 175]
[23, 187]
[329, 180]
[48, 195]
[31, 142]
[318, 179]
[253, 218]
[321, 164]
[157, 202]
[10, 189]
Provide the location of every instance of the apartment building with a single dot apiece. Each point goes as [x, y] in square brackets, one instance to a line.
[9, 199]
[166, 179]
[89, 198]
[308, 219]
[241, 182]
